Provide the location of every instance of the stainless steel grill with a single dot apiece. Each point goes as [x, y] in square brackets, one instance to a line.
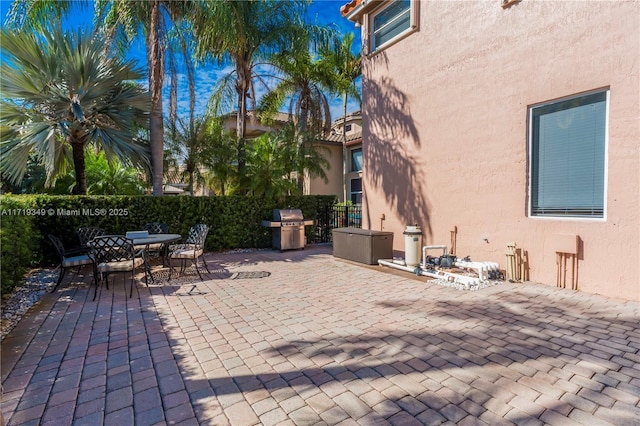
[288, 229]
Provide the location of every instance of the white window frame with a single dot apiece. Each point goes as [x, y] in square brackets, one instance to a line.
[413, 25]
[352, 168]
[532, 108]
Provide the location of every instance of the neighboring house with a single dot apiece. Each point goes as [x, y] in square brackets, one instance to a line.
[331, 147]
[254, 126]
[336, 151]
[491, 122]
[175, 184]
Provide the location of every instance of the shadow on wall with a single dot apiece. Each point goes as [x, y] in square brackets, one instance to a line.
[392, 148]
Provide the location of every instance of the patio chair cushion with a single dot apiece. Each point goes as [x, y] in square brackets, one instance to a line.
[70, 262]
[149, 247]
[121, 266]
[184, 246]
[186, 253]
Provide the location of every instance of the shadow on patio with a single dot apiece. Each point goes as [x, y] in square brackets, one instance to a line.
[322, 341]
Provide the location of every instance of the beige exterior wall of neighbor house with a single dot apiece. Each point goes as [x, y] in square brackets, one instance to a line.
[333, 186]
[446, 113]
[331, 149]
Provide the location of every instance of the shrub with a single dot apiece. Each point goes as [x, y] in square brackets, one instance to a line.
[234, 221]
[18, 238]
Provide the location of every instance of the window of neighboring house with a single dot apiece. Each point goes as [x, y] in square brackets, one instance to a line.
[347, 128]
[568, 153]
[356, 160]
[390, 22]
[356, 191]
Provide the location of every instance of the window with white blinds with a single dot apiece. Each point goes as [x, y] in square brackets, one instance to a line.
[393, 20]
[568, 157]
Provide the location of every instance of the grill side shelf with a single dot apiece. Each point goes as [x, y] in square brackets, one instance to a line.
[270, 224]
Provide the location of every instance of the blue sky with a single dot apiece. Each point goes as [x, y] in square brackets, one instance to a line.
[321, 11]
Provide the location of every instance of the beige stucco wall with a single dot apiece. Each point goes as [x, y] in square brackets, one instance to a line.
[445, 133]
[333, 186]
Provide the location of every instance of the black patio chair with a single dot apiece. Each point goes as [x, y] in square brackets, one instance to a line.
[115, 253]
[73, 258]
[159, 249]
[88, 233]
[156, 228]
[191, 249]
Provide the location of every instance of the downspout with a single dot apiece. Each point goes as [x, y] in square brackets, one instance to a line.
[344, 148]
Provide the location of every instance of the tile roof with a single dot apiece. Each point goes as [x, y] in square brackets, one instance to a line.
[337, 137]
[347, 8]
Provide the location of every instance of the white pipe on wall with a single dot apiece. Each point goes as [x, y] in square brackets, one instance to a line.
[454, 278]
[481, 268]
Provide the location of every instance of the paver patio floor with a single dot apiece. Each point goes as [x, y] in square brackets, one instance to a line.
[302, 338]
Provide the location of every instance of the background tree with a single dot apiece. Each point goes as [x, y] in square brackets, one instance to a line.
[36, 181]
[60, 91]
[112, 177]
[124, 21]
[344, 68]
[38, 15]
[103, 178]
[221, 166]
[302, 83]
[192, 145]
[269, 165]
[243, 33]
[274, 162]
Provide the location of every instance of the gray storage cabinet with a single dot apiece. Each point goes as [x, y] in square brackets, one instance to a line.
[362, 245]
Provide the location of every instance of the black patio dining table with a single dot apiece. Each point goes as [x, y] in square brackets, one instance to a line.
[143, 238]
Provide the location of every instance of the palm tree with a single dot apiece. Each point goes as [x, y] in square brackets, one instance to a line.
[103, 178]
[347, 68]
[243, 33]
[302, 83]
[35, 15]
[191, 143]
[60, 91]
[274, 160]
[222, 170]
[36, 181]
[269, 164]
[123, 20]
[112, 177]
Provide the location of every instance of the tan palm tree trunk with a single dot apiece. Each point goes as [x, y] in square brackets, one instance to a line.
[242, 87]
[156, 76]
[191, 186]
[77, 151]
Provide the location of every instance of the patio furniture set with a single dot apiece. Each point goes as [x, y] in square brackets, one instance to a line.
[108, 254]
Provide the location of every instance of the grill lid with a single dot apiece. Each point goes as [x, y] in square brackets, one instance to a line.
[292, 215]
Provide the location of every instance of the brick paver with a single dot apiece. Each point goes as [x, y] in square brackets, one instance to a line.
[321, 341]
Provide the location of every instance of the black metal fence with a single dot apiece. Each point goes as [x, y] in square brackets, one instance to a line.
[337, 216]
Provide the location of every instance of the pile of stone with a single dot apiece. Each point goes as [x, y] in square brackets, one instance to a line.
[27, 294]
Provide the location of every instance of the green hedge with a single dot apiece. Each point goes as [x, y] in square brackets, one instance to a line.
[18, 243]
[234, 221]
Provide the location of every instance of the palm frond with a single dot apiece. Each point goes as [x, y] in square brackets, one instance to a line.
[64, 90]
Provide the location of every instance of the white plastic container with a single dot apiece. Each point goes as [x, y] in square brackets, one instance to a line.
[412, 245]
